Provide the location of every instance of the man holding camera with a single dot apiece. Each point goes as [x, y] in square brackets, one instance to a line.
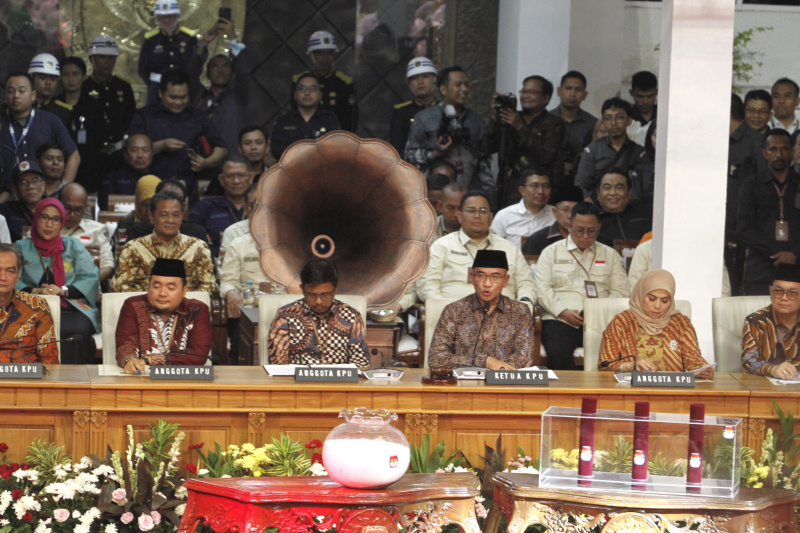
[452, 132]
[527, 139]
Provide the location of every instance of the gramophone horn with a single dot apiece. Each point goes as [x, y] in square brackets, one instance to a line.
[353, 200]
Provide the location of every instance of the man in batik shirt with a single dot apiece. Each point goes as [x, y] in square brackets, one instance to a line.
[25, 322]
[484, 329]
[163, 326]
[318, 329]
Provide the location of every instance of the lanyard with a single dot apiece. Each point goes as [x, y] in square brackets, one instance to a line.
[488, 243]
[588, 275]
[781, 193]
[486, 338]
[24, 131]
[233, 215]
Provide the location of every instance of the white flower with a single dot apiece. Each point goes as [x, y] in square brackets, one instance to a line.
[224, 476]
[111, 528]
[82, 528]
[42, 528]
[202, 472]
[5, 501]
[5, 522]
[179, 510]
[103, 470]
[525, 470]
[317, 469]
[480, 499]
[182, 492]
[76, 514]
[25, 504]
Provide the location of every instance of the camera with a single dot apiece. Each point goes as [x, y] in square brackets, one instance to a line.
[508, 100]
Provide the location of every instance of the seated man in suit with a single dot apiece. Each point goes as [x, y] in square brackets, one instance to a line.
[163, 326]
[484, 323]
[770, 337]
[26, 319]
[318, 329]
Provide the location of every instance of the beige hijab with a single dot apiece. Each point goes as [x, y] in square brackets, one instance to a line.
[653, 280]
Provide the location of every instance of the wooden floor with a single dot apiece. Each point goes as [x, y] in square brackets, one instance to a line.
[87, 412]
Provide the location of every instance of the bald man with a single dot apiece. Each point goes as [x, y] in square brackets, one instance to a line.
[89, 232]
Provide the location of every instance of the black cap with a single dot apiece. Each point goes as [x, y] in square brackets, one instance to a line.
[490, 259]
[25, 167]
[571, 194]
[437, 182]
[170, 268]
[787, 272]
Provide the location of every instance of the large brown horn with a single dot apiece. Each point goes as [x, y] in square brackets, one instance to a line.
[351, 199]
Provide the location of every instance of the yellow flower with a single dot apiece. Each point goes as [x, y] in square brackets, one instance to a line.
[762, 471]
[247, 447]
[758, 485]
[573, 454]
[558, 454]
[752, 479]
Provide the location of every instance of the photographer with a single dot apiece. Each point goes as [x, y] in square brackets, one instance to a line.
[532, 138]
[451, 132]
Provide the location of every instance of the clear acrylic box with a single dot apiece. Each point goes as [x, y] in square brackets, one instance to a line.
[613, 451]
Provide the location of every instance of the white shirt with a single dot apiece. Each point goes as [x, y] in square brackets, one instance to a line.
[562, 270]
[775, 123]
[451, 258]
[5, 235]
[237, 229]
[240, 265]
[515, 222]
[93, 233]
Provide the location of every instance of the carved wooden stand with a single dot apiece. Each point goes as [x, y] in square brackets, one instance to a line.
[518, 498]
[295, 504]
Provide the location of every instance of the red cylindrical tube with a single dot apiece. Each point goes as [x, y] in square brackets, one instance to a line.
[586, 451]
[694, 470]
[641, 443]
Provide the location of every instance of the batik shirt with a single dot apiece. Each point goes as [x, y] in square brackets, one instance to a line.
[766, 344]
[25, 324]
[299, 336]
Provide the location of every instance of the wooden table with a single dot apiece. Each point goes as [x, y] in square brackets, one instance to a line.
[255, 504]
[762, 414]
[381, 337]
[518, 499]
[86, 412]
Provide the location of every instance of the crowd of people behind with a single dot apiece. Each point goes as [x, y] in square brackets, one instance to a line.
[567, 186]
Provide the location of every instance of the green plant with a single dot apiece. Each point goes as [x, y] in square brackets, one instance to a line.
[661, 466]
[217, 463]
[787, 441]
[287, 458]
[619, 458]
[47, 458]
[423, 462]
[745, 64]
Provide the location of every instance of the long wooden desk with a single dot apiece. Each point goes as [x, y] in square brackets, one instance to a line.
[87, 412]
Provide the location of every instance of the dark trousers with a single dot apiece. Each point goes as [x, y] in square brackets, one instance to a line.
[756, 288]
[80, 348]
[560, 340]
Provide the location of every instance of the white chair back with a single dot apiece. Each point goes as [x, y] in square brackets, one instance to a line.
[55, 312]
[728, 314]
[597, 315]
[433, 310]
[268, 305]
[111, 306]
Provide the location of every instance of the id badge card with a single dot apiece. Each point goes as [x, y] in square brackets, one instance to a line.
[781, 231]
[81, 136]
[591, 289]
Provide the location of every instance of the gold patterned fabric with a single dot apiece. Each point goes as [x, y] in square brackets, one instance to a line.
[766, 344]
[138, 256]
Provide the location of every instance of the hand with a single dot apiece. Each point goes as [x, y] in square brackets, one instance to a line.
[492, 363]
[134, 366]
[441, 149]
[233, 299]
[173, 145]
[572, 317]
[708, 373]
[158, 359]
[642, 365]
[50, 289]
[512, 118]
[783, 257]
[785, 370]
[197, 162]
[226, 28]
[210, 35]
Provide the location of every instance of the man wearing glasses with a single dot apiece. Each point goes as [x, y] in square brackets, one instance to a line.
[216, 214]
[29, 191]
[530, 214]
[308, 121]
[569, 271]
[89, 232]
[484, 329]
[451, 256]
[614, 150]
[319, 329]
[534, 136]
[770, 336]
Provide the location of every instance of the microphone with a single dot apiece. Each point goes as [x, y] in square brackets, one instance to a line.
[20, 347]
[486, 306]
[375, 351]
[606, 364]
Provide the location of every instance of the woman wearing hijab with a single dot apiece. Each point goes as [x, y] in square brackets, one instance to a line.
[61, 266]
[652, 329]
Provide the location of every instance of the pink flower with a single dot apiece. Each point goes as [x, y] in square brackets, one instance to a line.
[61, 515]
[146, 522]
[156, 516]
[126, 518]
[480, 510]
[118, 495]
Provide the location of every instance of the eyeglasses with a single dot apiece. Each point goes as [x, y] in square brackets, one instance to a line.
[780, 293]
[234, 177]
[76, 210]
[535, 186]
[481, 277]
[325, 296]
[47, 220]
[618, 187]
[589, 232]
[473, 212]
[756, 111]
[530, 92]
[32, 181]
[308, 88]
[615, 118]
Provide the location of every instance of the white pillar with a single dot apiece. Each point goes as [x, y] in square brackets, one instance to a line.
[692, 151]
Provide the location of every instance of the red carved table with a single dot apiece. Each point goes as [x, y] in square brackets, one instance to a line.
[518, 499]
[294, 504]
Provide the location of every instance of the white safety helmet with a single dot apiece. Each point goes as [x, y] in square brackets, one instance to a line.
[44, 64]
[167, 7]
[103, 45]
[321, 40]
[420, 65]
